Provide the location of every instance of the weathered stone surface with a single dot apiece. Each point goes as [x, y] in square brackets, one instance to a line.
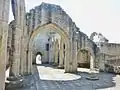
[54, 14]
[61, 42]
[4, 14]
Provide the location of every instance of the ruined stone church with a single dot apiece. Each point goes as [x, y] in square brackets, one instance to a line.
[49, 31]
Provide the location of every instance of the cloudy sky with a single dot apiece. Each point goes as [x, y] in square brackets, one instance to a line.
[101, 16]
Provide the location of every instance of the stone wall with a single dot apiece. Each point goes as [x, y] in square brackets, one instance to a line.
[83, 59]
[109, 63]
[4, 14]
[109, 56]
[40, 42]
[84, 43]
[50, 13]
[110, 48]
[47, 13]
[112, 64]
[112, 68]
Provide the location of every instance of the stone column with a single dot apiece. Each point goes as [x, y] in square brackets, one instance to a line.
[92, 62]
[16, 54]
[29, 62]
[50, 50]
[23, 57]
[34, 51]
[78, 57]
[74, 55]
[29, 67]
[23, 63]
[68, 50]
[61, 55]
[53, 52]
[4, 14]
[102, 62]
[9, 46]
[17, 64]
[94, 74]
[56, 52]
[67, 58]
[14, 69]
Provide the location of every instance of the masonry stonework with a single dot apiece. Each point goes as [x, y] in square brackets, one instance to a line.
[47, 29]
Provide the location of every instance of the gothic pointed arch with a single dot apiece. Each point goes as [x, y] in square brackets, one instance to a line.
[92, 35]
[55, 28]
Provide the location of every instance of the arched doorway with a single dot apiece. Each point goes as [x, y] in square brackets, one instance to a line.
[48, 27]
[83, 59]
[38, 58]
[86, 59]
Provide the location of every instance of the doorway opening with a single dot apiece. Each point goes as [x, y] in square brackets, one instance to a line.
[84, 59]
[39, 58]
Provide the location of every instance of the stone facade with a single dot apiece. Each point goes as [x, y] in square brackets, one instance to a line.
[48, 30]
[4, 14]
[108, 54]
[53, 14]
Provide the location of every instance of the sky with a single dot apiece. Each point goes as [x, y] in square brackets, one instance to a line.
[102, 16]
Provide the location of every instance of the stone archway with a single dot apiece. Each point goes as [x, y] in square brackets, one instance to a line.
[38, 59]
[60, 31]
[83, 57]
[91, 57]
[34, 57]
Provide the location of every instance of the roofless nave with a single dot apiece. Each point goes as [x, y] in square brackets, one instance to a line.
[47, 30]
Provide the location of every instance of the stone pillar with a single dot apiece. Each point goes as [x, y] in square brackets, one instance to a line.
[9, 46]
[56, 52]
[19, 57]
[16, 54]
[53, 52]
[34, 51]
[3, 53]
[67, 58]
[23, 57]
[102, 62]
[68, 53]
[92, 62]
[29, 63]
[68, 50]
[79, 57]
[23, 62]
[61, 55]
[50, 50]
[4, 14]
[74, 55]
